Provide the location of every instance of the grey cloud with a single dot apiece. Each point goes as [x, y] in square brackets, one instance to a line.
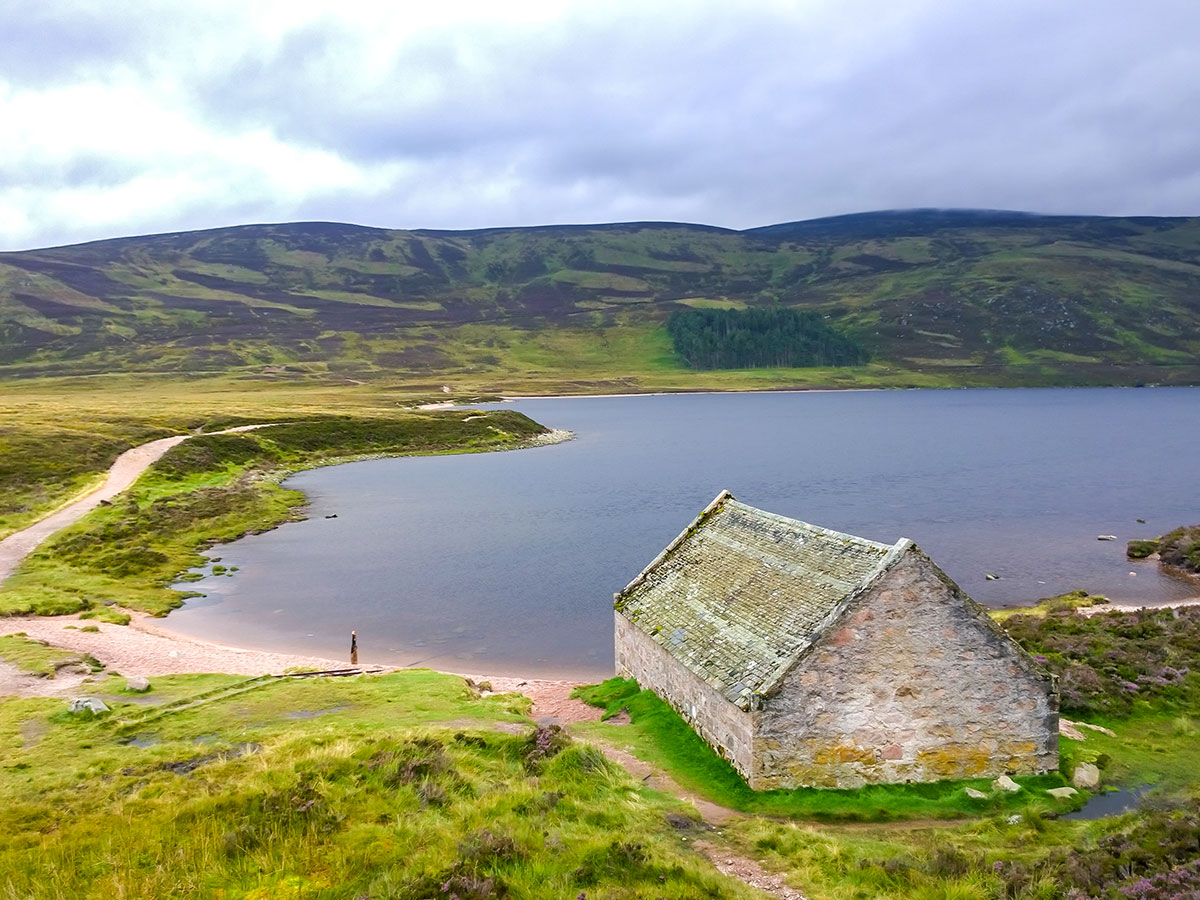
[737, 116]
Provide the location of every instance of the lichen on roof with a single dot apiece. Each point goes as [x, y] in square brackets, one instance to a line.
[742, 592]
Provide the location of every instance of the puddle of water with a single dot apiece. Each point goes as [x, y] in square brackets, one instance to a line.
[141, 740]
[210, 738]
[1110, 803]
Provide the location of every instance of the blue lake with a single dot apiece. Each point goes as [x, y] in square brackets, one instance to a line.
[506, 563]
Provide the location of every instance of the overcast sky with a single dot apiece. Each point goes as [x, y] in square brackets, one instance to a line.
[131, 116]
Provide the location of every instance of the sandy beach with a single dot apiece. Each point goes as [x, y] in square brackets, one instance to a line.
[146, 647]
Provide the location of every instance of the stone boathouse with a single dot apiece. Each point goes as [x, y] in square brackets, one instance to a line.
[807, 657]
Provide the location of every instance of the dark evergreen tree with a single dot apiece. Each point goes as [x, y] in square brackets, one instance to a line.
[760, 338]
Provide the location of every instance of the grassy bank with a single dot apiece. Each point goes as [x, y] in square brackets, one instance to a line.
[657, 733]
[216, 488]
[384, 787]
[34, 657]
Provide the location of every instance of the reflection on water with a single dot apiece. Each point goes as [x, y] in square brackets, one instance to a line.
[507, 562]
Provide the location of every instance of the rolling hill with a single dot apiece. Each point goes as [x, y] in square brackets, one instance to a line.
[938, 297]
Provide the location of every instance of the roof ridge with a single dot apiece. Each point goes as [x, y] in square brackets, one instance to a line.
[819, 529]
[895, 552]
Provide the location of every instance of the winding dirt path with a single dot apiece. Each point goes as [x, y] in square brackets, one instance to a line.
[124, 471]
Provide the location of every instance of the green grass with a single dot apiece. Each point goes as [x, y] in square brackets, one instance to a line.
[1048, 605]
[393, 786]
[658, 734]
[106, 613]
[44, 465]
[35, 657]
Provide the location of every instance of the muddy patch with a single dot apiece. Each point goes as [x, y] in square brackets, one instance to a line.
[185, 766]
[747, 871]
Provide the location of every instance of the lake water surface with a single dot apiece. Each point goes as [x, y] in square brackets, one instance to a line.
[506, 563]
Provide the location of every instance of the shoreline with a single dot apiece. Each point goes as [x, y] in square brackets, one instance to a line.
[513, 398]
[145, 648]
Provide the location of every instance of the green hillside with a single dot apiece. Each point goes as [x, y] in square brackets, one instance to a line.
[935, 297]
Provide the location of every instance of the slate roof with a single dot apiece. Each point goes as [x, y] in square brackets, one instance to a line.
[741, 593]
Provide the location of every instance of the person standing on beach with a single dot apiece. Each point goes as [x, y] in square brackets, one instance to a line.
[354, 648]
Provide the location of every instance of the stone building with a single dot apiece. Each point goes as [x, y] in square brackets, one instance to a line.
[807, 657]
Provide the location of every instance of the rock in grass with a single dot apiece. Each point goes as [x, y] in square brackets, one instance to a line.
[1086, 776]
[1004, 783]
[137, 683]
[1069, 729]
[976, 795]
[92, 705]
[1062, 793]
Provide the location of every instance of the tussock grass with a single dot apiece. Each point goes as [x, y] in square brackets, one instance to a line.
[389, 796]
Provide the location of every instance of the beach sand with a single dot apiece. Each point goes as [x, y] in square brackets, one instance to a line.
[146, 647]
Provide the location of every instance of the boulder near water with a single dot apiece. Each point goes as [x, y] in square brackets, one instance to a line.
[1086, 776]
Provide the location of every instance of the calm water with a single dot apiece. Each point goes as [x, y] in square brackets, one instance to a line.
[507, 562]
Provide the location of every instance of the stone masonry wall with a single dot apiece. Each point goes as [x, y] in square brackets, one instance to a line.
[722, 725]
[911, 685]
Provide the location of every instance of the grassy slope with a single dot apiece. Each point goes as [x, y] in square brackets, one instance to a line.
[386, 787]
[966, 299]
[393, 786]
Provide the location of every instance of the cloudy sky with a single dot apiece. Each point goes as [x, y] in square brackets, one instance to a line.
[133, 116]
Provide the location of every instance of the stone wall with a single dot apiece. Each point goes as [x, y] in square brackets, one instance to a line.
[914, 683]
[722, 725]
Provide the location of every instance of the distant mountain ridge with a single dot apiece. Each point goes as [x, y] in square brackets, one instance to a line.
[938, 296]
